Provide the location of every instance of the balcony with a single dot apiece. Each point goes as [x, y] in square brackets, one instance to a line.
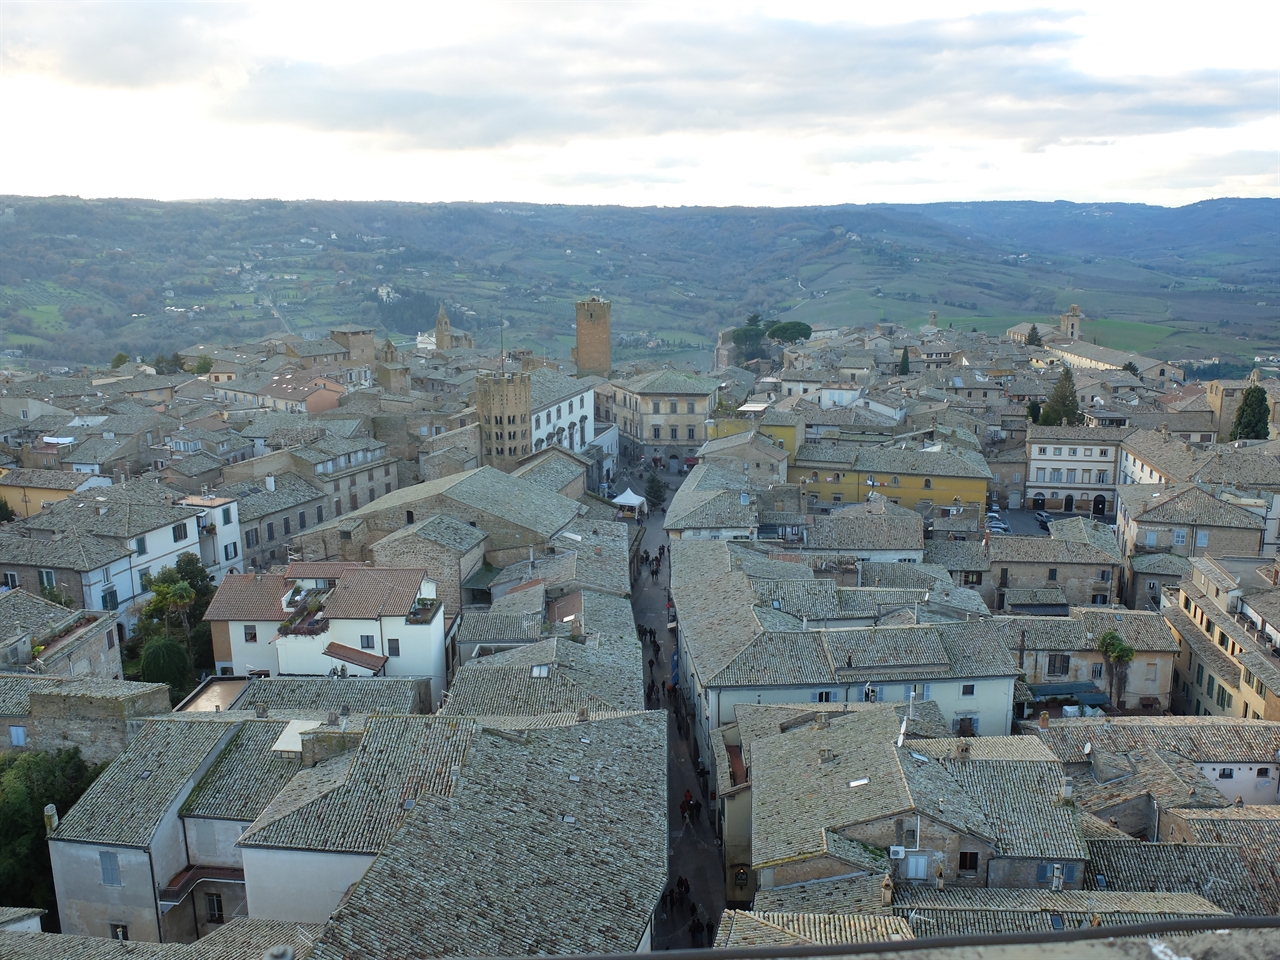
[424, 610]
[306, 618]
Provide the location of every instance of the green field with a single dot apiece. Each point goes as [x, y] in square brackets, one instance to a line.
[1124, 334]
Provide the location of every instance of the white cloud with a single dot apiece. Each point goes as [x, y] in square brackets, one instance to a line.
[638, 103]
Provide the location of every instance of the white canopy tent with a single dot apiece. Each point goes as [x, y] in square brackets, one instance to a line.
[632, 501]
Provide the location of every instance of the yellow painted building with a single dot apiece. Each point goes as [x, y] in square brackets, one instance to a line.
[27, 491]
[846, 473]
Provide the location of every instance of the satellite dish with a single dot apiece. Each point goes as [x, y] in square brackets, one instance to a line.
[1088, 749]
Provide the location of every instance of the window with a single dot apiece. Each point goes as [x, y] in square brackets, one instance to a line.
[1202, 538]
[1226, 773]
[1053, 573]
[972, 578]
[393, 647]
[689, 407]
[17, 735]
[109, 863]
[1059, 664]
[287, 530]
[1152, 668]
[140, 546]
[110, 601]
[1103, 452]
[1071, 476]
[1102, 476]
[250, 539]
[837, 498]
[226, 515]
[1209, 687]
[822, 696]
[1264, 772]
[302, 519]
[1040, 475]
[1104, 576]
[918, 867]
[675, 433]
[1095, 671]
[1180, 538]
[967, 690]
[213, 907]
[230, 551]
[11, 581]
[1042, 451]
[250, 633]
[674, 406]
[1055, 475]
[691, 433]
[271, 531]
[657, 433]
[1100, 600]
[657, 406]
[366, 641]
[119, 931]
[179, 532]
[968, 861]
[355, 500]
[1224, 698]
[1200, 675]
[320, 514]
[1151, 538]
[540, 671]
[1057, 451]
[1073, 452]
[1086, 476]
[48, 579]
[928, 483]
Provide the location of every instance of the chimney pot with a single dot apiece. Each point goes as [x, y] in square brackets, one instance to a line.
[1044, 719]
[332, 719]
[260, 711]
[50, 818]
[886, 891]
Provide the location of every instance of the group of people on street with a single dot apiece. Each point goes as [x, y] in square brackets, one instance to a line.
[674, 898]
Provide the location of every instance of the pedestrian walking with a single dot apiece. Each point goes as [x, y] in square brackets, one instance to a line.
[695, 931]
[651, 662]
[693, 911]
[697, 810]
[711, 933]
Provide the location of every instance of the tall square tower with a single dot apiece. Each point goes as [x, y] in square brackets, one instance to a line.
[593, 354]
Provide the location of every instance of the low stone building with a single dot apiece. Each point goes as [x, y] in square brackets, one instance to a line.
[450, 550]
[98, 716]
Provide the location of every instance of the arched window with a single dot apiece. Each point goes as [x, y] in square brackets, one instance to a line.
[815, 475]
[928, 484]
[571, 406]
[558, 414]
[537, 422]
[893, 481]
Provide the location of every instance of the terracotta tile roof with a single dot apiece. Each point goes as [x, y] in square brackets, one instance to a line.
[366, 593]
[246, 776]
[249, 596]
[743, 928]
[358, 658]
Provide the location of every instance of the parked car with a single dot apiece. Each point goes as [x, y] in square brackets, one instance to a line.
[1043, 517]
[993, 515]
[998, 526]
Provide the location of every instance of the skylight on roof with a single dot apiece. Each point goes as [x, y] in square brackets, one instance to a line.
[540, 670]
[860, 782]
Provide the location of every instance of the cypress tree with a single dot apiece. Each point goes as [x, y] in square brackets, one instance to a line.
[1253, 417]
[1062, 404]
[904, 365]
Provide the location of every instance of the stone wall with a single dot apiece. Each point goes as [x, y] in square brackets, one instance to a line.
[97, 725]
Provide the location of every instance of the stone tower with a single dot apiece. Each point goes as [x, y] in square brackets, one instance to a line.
[504, 406]
[444, 332]
[1069, 323]
[358, 341]
[593, 354]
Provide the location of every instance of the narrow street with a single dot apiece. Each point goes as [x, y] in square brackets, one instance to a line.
[694, 849]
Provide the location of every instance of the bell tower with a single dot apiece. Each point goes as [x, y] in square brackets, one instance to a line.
[593, 354]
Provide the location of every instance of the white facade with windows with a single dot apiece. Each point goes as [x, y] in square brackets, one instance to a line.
[1074, 472]
[568, 421]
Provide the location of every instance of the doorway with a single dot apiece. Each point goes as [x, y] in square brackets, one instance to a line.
[1069, 503]
[1099, 506]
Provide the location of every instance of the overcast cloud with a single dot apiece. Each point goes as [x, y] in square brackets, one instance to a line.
[639, 103]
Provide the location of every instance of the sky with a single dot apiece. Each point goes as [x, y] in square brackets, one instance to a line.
[774, 104]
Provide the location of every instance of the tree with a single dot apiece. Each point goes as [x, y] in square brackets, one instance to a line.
[1132, 368]
[1253, 417]
[165, 661]
[1116, 657]
[655, 491]
[1033, 337]
[1033, 411]
[7, 512]
[748, 338]
[119, 360]
[904, 365]
[1062, 404]
[792, 331]
[203, 365]
[28, 781]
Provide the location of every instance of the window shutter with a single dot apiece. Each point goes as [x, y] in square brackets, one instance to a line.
[1069, 872]
[1042, 873]
[813, 697]
[1065, 662]
[906, 691]
[928, 688]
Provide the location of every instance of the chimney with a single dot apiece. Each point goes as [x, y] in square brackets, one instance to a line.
[260, 711]
[825, 755]
[584, 714]
[332, 718]
[962, 749]
[1044, 719]
[886, 891]
[345, 711]
[1067, 785]
[50, 819]
[271, 482]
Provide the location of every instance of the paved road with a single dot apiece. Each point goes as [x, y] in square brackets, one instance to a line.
[694, 849]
